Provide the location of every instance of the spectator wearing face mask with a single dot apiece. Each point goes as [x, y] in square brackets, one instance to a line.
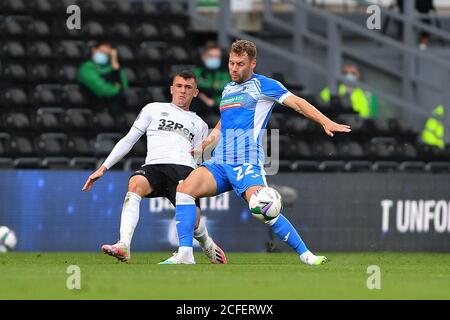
[103, 77]
[364, 103]
[212, 77]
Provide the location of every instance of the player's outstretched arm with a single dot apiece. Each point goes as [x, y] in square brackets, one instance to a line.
[304, 107]
[94, 177]
[213, 136]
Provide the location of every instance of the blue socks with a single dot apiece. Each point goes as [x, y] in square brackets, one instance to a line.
[185, 216]
[287, 233]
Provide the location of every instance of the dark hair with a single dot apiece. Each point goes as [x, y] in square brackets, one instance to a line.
[240, 47]
[210, 45]
[185, 74]
[102, 43]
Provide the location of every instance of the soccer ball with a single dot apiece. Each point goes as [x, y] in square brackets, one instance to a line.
[8, 239]
[265, 204]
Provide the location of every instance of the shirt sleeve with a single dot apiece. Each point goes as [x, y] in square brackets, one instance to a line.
[201, 135]
[144, 119]
[122, 147]
[273, 90]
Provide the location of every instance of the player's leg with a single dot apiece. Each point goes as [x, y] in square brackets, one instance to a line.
[138, 187]
[204, 181]
[212, 250]
[286, 232]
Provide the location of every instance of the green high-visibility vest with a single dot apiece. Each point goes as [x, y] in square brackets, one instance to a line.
[358, 98]
[433, 132]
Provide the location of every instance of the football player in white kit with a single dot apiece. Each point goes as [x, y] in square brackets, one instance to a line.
[173, 132]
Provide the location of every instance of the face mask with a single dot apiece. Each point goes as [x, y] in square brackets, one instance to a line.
[350, 77]
[100, 58]
[212, 63]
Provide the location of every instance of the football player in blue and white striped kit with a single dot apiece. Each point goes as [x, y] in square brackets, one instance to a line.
[238, 158]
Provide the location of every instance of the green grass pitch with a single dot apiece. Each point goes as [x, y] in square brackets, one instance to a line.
[247, 276]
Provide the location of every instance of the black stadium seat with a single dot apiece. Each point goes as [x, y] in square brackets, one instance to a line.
[38, 28]
[15, 72]
[14, 96]
[12, 27]
[147, 31]
[104, 121]
[78, 120]
[122, 30]
[67, 73]
[40, 73]
[72, 96]
[21, 146]
[79, 146]
[12, 49]
[16, 121]
[93, 29]
[40, 49]
[51, 144]
[49, 119]
[105, 142]
[47, 95]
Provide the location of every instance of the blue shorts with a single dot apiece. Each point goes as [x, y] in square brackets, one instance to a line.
[239, 177]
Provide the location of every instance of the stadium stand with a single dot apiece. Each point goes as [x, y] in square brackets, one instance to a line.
[47, 121]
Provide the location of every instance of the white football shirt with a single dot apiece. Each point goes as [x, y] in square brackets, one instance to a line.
[171, 132]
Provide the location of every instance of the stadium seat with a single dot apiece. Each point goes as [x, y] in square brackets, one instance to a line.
[149, 52]
[125, 53]
[123, 8]
[55, 163]
[350, 150]
[14, 97]
[175, 31]
[16, 121]
[51, 144]
[6, 163]
[21, 146]
[407, 150]
[12, 27]
[323, 149]
[78, 120]
[139, 149]
[150, 75]
[133, 98]
[49, 119]
[27, 163]
[47, 95]
[15, 72]
[12, 49]
[157, 94]
[301, 150]
[332, 166]
[179, 54]
[145, 8]
[93, 29]
[105, 142]
[72, 50]
[383, 166]
[83, 163]
[382, 148]
[40, 73]
[38, 28]
[67, 74]
[104, 122]
[412, 166]
[40, 49]
[44, 6]
[72, 96]
[298, 125]
[12, 7]
[305, 166]
[358, 165]
[97, 7]
[79, 146]
[126, 120]
[122, 30]
[147, 31]
[438, 166]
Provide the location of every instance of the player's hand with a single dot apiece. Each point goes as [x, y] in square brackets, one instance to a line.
[94, 177]
[330, 127]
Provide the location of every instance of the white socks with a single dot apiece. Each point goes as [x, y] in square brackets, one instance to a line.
[201, 233]
[130, 217]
